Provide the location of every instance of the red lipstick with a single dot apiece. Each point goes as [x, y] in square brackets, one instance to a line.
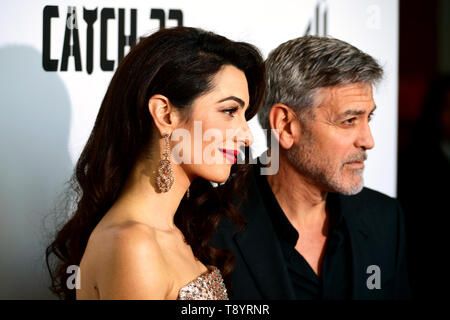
[230, 155]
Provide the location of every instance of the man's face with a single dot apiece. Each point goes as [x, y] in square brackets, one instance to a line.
[331, 150]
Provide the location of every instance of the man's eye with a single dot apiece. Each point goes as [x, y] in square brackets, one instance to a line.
[371, 116]
[350, 121]
[230, 111]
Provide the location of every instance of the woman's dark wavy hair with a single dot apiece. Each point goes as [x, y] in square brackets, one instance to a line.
[178, 63]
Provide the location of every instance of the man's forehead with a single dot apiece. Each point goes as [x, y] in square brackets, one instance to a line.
[352, 90]
[342, 96]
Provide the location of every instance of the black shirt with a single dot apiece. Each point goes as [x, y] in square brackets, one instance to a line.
[335, 281]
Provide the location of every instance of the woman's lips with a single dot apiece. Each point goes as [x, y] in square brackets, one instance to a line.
[230, 155]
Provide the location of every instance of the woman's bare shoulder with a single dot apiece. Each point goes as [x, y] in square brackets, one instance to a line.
[131, 262]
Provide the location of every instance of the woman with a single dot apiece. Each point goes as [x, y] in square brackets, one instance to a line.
[143, 219]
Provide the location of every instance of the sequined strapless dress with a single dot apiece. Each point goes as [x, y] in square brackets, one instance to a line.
[207, 286]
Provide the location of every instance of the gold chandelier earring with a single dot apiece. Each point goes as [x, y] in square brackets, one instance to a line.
[165, 178]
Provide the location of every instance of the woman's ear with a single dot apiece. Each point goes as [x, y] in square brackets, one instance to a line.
[285, 122]
[164, 114]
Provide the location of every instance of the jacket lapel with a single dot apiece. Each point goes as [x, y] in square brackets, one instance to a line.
[260, 248]
[360, 236]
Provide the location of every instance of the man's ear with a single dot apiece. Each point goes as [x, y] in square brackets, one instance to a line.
[285, 121]
[164, 114]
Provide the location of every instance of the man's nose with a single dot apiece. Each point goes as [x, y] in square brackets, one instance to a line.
[365, 138]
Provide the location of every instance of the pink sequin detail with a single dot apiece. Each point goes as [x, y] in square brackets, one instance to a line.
[207, 286]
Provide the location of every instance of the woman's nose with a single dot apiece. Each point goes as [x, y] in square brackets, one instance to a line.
[245, 135]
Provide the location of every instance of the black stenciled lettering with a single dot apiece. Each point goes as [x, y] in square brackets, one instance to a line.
[105, 64]
[159, 14]
[176, 14]
[125, 40]
[49, 12]
[320, 16]
[71, 33]
[71, 45]
[90, 16]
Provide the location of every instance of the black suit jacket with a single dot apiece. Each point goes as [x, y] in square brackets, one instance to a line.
[377, 237]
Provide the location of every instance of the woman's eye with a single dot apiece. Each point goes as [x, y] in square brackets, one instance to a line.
[231, 111]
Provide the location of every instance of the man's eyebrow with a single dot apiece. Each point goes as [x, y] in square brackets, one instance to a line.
[240, 101]
[355, 112]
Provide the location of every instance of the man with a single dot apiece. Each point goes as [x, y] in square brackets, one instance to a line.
[312, 231]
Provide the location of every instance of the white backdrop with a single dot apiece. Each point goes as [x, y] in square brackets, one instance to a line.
[46, 116]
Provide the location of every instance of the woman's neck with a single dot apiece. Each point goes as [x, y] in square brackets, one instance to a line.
[142, 199]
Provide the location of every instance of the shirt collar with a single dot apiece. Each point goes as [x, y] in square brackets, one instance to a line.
[283, 228]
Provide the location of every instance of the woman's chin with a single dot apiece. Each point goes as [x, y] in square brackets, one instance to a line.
[218, 175]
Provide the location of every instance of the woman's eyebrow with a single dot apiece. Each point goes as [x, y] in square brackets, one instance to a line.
[240, 101]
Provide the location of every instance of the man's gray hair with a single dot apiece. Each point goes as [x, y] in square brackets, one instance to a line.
[299, 67]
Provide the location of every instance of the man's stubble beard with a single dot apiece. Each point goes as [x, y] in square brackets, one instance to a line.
[305, 158]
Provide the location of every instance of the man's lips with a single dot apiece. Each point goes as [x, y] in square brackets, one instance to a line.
[230, 154]
[356, 161]
[355, 164]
